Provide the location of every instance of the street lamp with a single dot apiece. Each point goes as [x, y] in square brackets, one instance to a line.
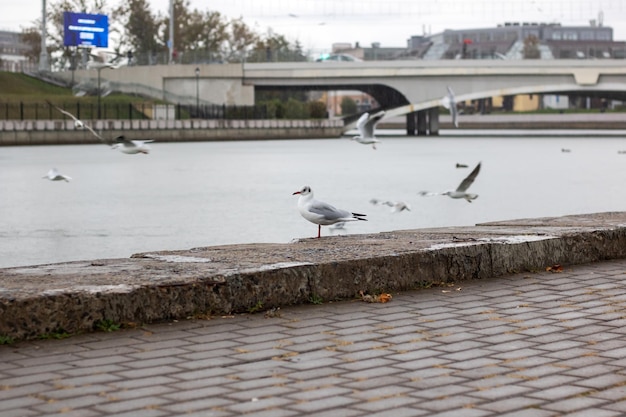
[100, 68]
[197, 90]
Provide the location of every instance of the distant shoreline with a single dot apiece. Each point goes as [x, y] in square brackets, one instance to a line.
[63, 132]
[525, 121]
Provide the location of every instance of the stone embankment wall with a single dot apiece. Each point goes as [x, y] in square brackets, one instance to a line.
[63, 132]
[73, 296]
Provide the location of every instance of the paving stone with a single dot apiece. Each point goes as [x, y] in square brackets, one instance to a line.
[540, 379]
[30, 401]
[467, 412]
[214, 405]
[603, 381]
[517, 404]
[18, 412]
[142, 382]
[152, 412]
[370, 363]
[597, 412]
[619, 406]
[556, 393]
[51, 406]
[314, 406]
[498, 392]
[400, 412]
[261, 405]
[390, 404]
[574, 404]
[455, 402]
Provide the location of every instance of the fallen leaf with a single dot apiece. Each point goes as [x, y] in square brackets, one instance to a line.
[384, 298]
[380, 298]
[555, 268]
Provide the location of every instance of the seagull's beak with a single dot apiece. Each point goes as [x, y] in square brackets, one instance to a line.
[297, 192]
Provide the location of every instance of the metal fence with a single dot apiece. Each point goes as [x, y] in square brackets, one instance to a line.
[132, 111]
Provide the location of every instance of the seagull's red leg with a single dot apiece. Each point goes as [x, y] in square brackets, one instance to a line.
[319, 230]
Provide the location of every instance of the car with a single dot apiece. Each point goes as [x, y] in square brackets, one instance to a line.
[338, 58]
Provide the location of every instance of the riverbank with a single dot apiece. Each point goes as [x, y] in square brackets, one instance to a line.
[525, 121]
[64, 132]
[73, 297]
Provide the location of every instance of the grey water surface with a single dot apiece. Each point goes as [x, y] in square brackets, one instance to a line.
[185, 195]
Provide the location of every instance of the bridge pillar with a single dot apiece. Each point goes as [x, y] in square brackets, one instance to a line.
[411, 123]
[433, 121]
[422, 123]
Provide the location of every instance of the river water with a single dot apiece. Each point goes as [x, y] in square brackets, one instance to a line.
[185, 195]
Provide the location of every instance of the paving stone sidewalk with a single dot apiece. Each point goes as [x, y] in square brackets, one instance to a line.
[532, 344]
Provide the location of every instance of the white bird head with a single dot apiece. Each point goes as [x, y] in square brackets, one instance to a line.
[306, 190]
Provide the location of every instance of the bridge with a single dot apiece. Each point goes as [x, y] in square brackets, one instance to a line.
[411, 88]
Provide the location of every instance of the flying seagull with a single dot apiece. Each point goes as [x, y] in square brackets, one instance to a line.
[449, 102]
[132, 146]
[461, 191]
[396, 206]
[55, 175]
[79, 124]
[321, 213]
[366, 125]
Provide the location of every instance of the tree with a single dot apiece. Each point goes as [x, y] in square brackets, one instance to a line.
[348, 106]
[199, 36]
[317, 109]
[214, 33]
[240, 38]
[274, 48]
[32, 37]
[531, 48]
[139, 29]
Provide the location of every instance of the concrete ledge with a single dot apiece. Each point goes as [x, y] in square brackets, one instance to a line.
[228, 279]
[31, 137]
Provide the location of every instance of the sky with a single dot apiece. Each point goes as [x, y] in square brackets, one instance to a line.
[317, 24]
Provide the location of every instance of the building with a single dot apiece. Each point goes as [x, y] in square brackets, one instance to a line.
[524, 40]
[13, 51]
[515, 40]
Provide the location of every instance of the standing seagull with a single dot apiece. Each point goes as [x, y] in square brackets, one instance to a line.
[366, 125]
[132, 146]
[79, 124]
[461, 191]
[321, 213]
[449, 102]
[54, 175]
